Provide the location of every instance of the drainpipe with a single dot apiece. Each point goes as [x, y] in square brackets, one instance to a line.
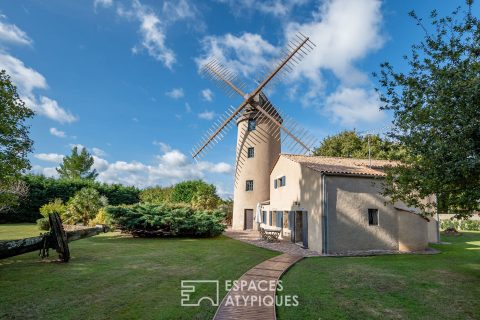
[325, 215]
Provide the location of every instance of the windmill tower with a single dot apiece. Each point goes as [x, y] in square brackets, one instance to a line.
[261, 130]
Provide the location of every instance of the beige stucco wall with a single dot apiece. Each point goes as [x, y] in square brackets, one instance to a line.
[265, 140]
[412, 232]
[303, 185]
[348, 201]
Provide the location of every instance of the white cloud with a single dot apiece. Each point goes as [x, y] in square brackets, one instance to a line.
[10, 33]
[99, 152]
[245, 54]
[50, 108]
[57, 133]
[152, 31]
[207, 95]
[206, 115]
[350, 106]
[49, 157]
[278, 8]
[27, 80]
[102, 3]
[171, 166]
[175, 93]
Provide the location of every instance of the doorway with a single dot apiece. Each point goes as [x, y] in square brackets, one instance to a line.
[248, 221]
[300, 228]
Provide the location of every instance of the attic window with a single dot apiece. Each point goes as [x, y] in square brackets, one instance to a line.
[373, 217]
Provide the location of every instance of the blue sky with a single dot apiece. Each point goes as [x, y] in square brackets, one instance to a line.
[121, 77]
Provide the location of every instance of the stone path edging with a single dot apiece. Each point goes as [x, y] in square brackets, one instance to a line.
[269, 270]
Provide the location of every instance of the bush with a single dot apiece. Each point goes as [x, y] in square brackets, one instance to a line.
[466, 225]
[167, 219]
[101, 218]
[43, 224]
[156, 195]
[84, 206]
[56, 205]
[43, 190]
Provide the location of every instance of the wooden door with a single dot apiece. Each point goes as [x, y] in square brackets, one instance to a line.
[248, 219]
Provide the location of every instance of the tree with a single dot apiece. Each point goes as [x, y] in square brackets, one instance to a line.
[437, 115]
[205, 198]
[84, 206]
[156, 195]
[77, 166]
[351, 145]
[196, 192]
[15, 143]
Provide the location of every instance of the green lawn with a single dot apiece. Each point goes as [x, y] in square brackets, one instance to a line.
[441, 286]
[111, 276]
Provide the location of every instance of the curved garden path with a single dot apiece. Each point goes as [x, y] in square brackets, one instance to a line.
[257, 286]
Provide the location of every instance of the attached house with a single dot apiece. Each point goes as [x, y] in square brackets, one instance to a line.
[334, 205]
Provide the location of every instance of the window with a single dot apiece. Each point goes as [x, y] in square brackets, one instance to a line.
[280, 182]
[250, 152]
[373, 217]
[264, 217]
[252, 124]
[249, 185]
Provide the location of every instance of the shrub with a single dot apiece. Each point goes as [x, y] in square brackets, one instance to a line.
[186, 190]
[101, 218]
[156, 195]
[167, 219]
[84, 206]
[466, 225]
[43, 224]
[56, 205]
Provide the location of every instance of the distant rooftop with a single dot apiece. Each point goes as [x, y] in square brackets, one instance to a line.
[348, 166]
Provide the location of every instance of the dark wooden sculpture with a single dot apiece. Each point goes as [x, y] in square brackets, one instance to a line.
[56, 239]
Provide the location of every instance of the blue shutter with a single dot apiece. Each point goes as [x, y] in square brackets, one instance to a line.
[284, 181]
[270, 218]
[264, 217]
[279, 222]
[275, 183]
[290, 219]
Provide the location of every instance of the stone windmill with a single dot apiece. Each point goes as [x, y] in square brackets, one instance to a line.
[261, 128]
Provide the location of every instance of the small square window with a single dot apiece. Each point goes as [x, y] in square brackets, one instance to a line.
[252, 124]
[282, 181]
[250, 152]
[373, 217]
[249, 185]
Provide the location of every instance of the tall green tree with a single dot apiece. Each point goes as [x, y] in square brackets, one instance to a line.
[197, 190]
[78, 165]
[15, 143]
[436, 106]
[350, 144]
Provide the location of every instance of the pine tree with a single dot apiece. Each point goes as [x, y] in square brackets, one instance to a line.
[77, 166]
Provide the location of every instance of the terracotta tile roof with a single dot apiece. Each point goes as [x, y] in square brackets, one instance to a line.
[348, 166]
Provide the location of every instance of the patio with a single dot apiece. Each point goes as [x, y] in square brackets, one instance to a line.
[282, 245]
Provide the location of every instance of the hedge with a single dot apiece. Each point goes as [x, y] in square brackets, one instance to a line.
[166, 220]
[43, 190]
[466, 225]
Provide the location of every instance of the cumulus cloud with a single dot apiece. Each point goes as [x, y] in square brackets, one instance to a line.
[344, 32]
[175, 93]
[10, 33]
[206, 115]
[169, 167]
[27, 81]
[49, 157]
[57, 133]
[99, 152]
[244, 54]
[207, 95]
[354, 105]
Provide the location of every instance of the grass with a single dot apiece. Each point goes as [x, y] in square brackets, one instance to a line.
[441, 286]
[111, 276]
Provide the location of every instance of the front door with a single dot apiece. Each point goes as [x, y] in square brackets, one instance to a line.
[248, 225]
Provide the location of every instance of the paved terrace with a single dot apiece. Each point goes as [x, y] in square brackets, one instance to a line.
[285, 246]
